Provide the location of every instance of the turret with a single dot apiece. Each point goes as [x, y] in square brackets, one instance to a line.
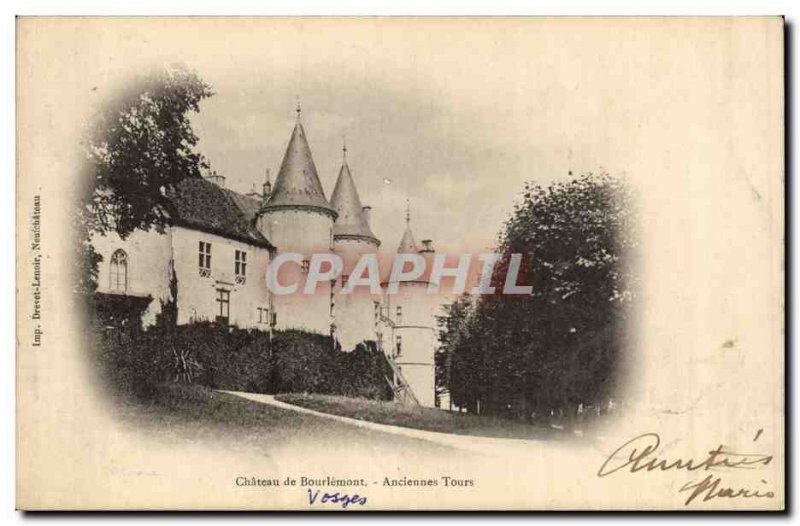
[413, 329]
[352, 224]
[296, 217]
[352, 237]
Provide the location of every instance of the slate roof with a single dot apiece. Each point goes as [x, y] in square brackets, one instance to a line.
[205, 206]
[351, 220]
[407, 243]
[297, 183]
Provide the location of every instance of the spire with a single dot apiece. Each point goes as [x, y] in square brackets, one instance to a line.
[297, 183]
[351, 220]
[407, 243]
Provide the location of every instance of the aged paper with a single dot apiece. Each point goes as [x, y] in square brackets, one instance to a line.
[614, 339]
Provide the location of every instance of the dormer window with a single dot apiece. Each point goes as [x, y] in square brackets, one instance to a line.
[399, 315]
[240, 266]
[204, 259]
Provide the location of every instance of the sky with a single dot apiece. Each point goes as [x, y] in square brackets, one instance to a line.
[454, 124]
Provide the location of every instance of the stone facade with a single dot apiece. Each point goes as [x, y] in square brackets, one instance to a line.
[221, 242]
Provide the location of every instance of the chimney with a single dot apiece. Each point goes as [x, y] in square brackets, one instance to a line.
[427, 246]
[217, 179]
[367, 211]
[266, 188]
[253, 193]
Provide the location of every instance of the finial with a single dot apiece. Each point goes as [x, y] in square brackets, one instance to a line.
[298, 110]
[344, 148]
[267, 175]
[408, 211]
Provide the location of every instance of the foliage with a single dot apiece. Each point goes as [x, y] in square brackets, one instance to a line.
[141, 145]
[559, 347]
[169, 309]
[233, 359]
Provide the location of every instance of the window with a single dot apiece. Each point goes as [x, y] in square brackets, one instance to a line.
[224, 306]
[345, 279]
[304, 266]
[399, 315]
[263, 315]
[398, 342]
[204, 259]
[118, 271]
[240, 266]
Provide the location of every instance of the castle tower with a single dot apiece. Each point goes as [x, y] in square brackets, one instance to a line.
[296, 217]
[413, 314]
[352, 237]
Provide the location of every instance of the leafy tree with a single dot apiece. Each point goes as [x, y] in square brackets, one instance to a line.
[140, 147]
[453, 330]
[559, 347]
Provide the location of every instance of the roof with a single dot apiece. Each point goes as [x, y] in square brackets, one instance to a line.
[297, 183]
[351, 220]
[204, 206]
[407, 243]
[248, 205]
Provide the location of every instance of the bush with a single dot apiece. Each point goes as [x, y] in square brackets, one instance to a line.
[234, 359]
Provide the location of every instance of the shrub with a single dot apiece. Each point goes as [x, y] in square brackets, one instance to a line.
[234, 359]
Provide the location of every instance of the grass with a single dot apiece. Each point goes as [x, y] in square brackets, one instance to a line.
[428, 419]
[192, 414]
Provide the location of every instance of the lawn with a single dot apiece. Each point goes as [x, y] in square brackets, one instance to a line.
[428, 419]
[190, 414]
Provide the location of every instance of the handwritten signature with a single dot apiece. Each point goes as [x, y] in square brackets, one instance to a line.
[641, 454]
[344, 500]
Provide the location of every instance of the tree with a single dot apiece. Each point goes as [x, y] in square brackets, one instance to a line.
[453, 330]
[558, 347]
[140, 147]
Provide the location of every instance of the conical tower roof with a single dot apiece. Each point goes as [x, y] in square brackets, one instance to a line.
[351, 221]
[407, 243]
[297, 183]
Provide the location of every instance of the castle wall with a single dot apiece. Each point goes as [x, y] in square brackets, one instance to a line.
[297, 230]
[198, 295]
[306, 232]
[413, 313]
[354, 313]
[148, 255]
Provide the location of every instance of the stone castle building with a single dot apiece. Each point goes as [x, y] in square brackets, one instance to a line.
[220, 242]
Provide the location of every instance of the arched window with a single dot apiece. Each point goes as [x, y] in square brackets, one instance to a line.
[119, 271]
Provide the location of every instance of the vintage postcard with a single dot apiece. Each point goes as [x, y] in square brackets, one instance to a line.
[344, 264]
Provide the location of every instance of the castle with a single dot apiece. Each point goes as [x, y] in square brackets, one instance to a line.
[219, 243]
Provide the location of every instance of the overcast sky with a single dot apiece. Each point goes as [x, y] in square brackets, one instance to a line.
[456, 123]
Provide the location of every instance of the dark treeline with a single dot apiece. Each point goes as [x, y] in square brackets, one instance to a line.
[557, 351]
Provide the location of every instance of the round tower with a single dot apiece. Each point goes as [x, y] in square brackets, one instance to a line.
[413, 312]
[296, 217]
[352, 237]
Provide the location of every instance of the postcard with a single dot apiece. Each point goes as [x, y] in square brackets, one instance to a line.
[412, 264]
